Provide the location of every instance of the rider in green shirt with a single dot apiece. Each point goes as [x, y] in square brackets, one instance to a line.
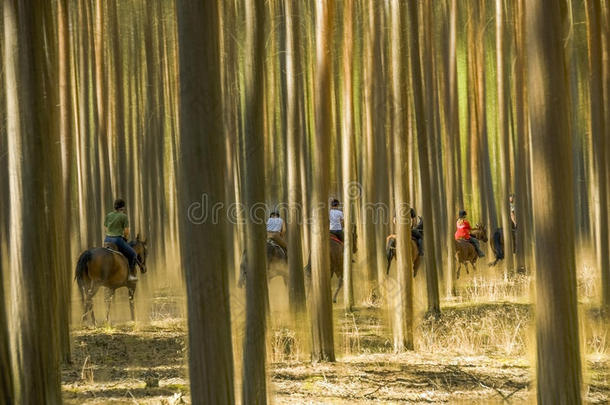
[117, 232]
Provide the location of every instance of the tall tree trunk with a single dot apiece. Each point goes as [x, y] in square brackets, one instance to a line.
[424, 127]
[350, 190]
[559, 364]
[201, 148]
[598, 135]
[254, 387]
[503, 136]
[34, 336]
[403, 298]
[321, 304]
[296, 291]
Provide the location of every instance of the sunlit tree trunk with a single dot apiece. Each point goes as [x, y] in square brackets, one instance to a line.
[598, 135]
[424, 125]
[521, 128]
[201, 147]
[558, 360]
[321, 304]
[254, 387]
[293, 135]
[503, 137]
[350, 192]
[402, 298]
[34, 337]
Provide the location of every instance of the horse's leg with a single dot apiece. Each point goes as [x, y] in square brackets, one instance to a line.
[109, 295]
[459, 268]
[89, 294]
[132, 305]
[338, 288]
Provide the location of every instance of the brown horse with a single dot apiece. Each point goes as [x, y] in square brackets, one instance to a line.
[465, 253]
[336, 259]
[277, 258]
[107, 267]
[390, 249]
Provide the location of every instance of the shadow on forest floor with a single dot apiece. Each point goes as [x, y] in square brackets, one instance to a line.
[475, 354]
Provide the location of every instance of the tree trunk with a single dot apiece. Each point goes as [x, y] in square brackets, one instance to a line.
[424, 127]
[34, 338]
[321, 304]
[350, 190]
[200, 169]
[402, 298]
[503, 140]
[558, 359]
[598, 135]
[296, 290]
[254, 386]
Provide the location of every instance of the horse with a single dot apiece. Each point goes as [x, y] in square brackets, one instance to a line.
[336, 259]
[465, 253]
[390, 251]
[107, 267]
[277, 258]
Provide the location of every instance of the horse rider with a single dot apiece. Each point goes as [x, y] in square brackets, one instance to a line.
[117, 232]
[276, 229]
[417, 230]
[463, 232]
[336, 219]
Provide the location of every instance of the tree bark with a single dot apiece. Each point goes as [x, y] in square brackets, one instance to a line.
[321, 304]
[296, 289]
[424, 126]
[201, 148]
[559, 364]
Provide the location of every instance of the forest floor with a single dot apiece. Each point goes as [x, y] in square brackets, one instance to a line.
[477, 353]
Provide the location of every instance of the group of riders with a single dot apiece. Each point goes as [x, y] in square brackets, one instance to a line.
[276, 227]
[117, 230]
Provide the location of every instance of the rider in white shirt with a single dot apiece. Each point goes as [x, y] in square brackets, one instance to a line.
[276, 229]
[336, 220]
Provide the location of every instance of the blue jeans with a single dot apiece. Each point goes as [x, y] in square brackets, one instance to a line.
[124, 248]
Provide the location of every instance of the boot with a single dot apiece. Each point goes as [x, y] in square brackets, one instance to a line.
[481, 253]
[132, 274]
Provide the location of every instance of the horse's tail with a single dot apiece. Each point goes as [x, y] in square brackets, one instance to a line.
[82, 269]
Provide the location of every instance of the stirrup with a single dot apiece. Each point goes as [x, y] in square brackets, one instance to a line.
[132, 277]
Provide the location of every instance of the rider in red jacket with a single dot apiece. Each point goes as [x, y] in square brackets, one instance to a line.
[463, 232]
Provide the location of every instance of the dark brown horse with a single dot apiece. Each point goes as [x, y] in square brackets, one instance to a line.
[336, 259]
[465, 253]
[277, 259]
[390, 250]
[107, 267]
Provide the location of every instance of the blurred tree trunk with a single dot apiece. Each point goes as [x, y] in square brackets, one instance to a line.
[503, 135]
[201, 146]
[598, 135]
[321, 304]
[254, 386]
[350, 190]
[455, 201]
[296, 290]
[369, 154]
[32, 160]
[422, 82]
[521, 127]
[558, 361]
[402, 298]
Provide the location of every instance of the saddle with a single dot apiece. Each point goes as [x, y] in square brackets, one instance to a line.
[333, 237]
[112, 247]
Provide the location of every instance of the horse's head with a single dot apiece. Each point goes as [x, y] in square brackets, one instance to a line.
[480, 232]
[139, 246]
